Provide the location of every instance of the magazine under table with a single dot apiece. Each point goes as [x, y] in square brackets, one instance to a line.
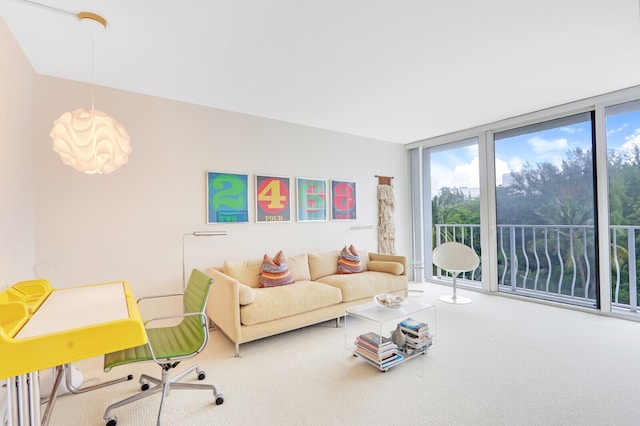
[372, 317]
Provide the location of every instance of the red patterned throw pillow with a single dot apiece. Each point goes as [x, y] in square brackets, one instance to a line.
[275, 272]
[349, 261]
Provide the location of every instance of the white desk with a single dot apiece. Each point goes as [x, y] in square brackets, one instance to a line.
[77, 307]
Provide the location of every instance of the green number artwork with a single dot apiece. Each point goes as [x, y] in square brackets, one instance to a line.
[227, 198]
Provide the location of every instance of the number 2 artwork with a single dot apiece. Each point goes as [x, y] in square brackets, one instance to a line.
[227, 198]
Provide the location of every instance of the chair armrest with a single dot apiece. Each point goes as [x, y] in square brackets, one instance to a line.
[159, 296]
[169, 317]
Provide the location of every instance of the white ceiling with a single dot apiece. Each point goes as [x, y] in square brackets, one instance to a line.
[394, 70]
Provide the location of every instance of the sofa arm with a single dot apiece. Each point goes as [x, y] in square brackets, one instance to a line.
[390, 258]
[223, 305]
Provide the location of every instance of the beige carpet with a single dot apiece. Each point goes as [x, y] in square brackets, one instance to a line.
[497, 361]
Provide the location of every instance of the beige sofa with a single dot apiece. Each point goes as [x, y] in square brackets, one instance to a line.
[245, 312]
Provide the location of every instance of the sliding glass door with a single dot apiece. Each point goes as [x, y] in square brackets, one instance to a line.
[545, 214]
[451, 182]
[623, 148]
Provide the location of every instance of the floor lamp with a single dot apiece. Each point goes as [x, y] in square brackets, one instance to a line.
[196, 234]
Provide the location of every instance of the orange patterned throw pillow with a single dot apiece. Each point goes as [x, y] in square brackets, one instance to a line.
[349, 261]
[275, 272]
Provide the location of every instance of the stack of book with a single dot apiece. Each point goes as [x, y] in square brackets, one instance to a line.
[379, 350]
[417, 336]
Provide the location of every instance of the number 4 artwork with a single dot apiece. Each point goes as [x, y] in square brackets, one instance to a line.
[273, 199]
[227, 198]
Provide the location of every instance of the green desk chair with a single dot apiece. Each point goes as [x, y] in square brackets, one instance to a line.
[168, 346]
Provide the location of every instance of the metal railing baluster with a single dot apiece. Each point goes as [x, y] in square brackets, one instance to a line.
[562, 252]
[523, 249]
[535, 254]
[633, 292]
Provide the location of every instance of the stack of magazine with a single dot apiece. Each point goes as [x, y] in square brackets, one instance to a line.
[417, 336]
[380, 351]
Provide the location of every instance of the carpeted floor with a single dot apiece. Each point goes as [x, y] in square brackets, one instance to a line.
[497, 361]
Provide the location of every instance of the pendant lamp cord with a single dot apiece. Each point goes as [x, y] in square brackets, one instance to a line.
[45, 6]
[92, 71]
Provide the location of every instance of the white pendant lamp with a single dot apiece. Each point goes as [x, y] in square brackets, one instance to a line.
[91, 141]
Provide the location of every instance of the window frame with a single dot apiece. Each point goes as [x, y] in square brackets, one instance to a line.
[488, 225]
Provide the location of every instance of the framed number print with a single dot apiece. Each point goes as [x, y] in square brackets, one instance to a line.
[312, 199]
[273, 199]
[343, 200]
[227, 197]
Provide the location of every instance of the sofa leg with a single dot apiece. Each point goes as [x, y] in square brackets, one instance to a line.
[237, 350]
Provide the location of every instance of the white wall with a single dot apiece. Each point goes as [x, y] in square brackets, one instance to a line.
[16, 162]
[129, 225]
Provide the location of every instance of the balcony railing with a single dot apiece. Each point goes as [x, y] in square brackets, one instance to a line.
[555, 262]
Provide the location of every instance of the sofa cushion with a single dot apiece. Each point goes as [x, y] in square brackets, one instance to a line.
[365, 284]
[280, 302]
[275, 272]
[349, 261]
[246, 271]
[395, 268]
[299, 267]
[323, 264]
[246, 294]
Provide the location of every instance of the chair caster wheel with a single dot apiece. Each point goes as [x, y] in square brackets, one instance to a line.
[144, 387]
[201, 374]
[219, 400]
[113, 421]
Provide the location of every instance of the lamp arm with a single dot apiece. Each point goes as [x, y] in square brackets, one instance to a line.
[196, 234]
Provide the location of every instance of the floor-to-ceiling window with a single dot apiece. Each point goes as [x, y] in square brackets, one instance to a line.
[546, 233]
[623, 160]
[555, 213]
[451, 182]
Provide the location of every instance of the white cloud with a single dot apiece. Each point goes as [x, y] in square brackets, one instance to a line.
[541, 145]
[472, 150]
[468, 174]
[633, 137]
[461, 175]
[555, 159]
[617, 129]
[571, 130]
[631, 141]
[513, 164]
[502, 168]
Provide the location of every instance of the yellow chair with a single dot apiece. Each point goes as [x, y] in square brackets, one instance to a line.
[168, 346]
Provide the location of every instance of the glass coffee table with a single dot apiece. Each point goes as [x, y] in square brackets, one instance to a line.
[369, 328]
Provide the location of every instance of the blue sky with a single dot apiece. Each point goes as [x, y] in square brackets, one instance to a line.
[459, 167]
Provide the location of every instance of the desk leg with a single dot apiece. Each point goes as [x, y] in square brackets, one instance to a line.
[52, 397]
[11, 402]
[17, 401]
[33, 390]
